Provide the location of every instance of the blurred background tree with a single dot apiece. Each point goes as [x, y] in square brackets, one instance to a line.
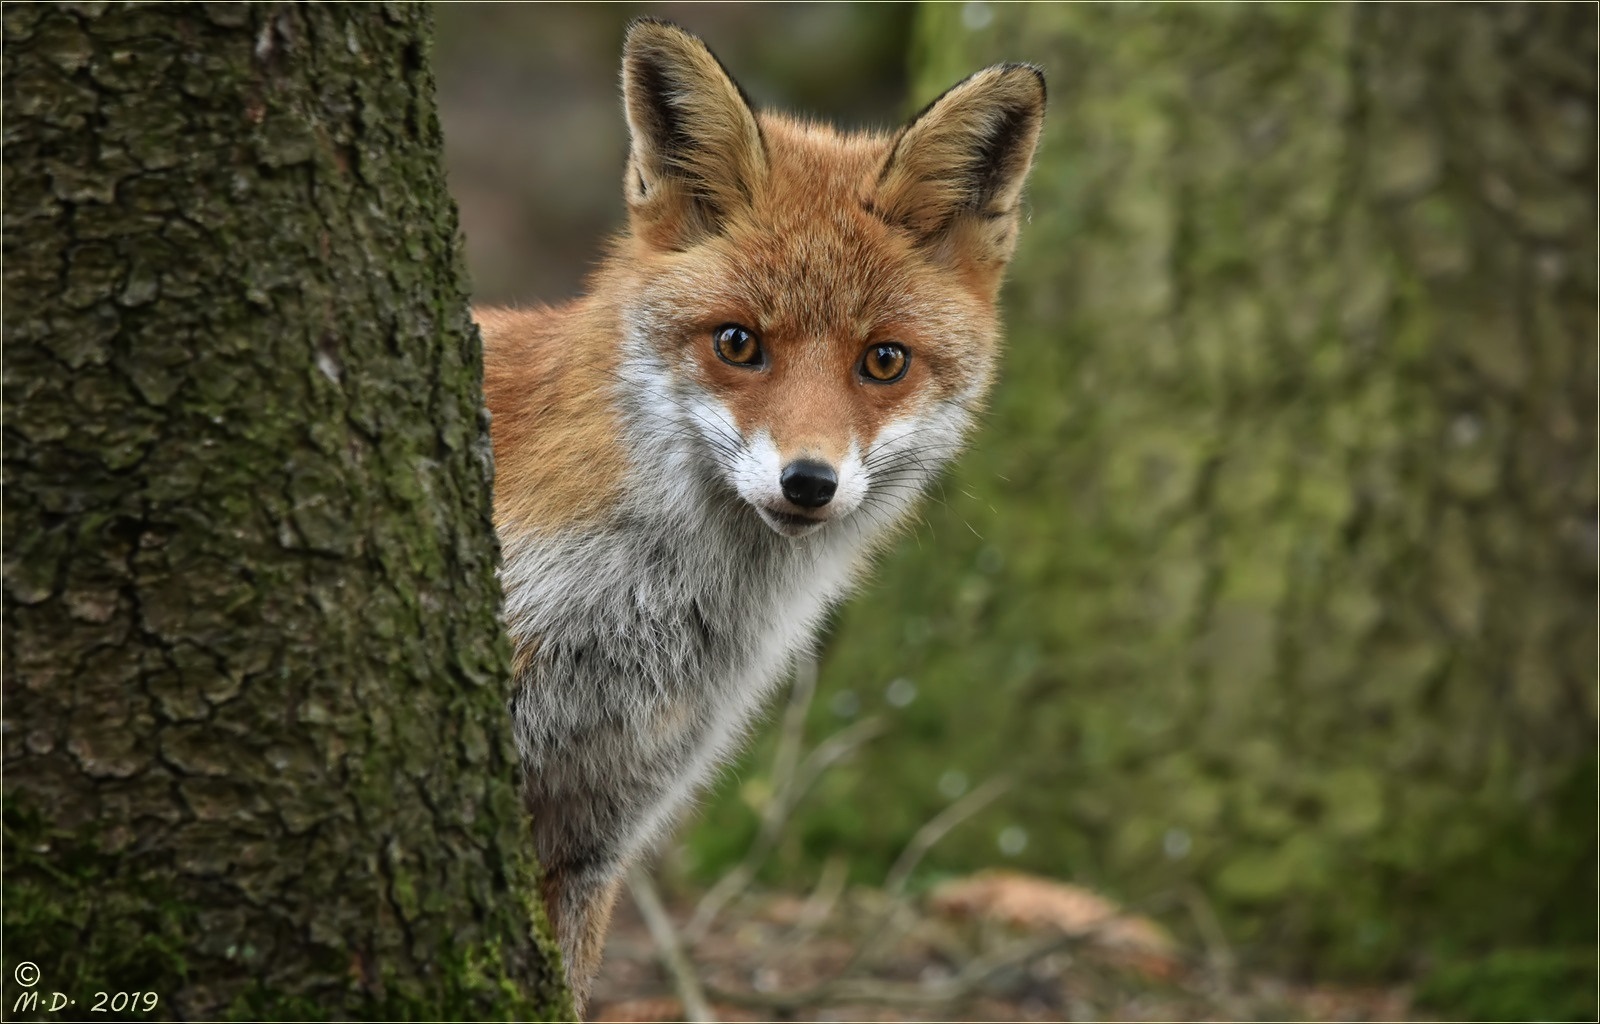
[1272, 573]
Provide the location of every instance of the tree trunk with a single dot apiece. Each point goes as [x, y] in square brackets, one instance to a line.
[1280, 575]
[257, 759]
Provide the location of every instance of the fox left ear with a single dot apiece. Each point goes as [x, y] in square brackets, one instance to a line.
[954, 176]
[697, 154]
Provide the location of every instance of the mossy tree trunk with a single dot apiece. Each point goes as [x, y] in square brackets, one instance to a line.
[256, 756]
[1286, 577]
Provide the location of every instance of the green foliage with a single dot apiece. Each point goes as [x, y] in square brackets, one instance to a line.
[1515, 984]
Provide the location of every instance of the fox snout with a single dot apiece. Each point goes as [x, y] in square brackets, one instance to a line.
[808, 483]
[798, 491]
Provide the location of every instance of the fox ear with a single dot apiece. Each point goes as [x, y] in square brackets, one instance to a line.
[697, 153]
[954, 175]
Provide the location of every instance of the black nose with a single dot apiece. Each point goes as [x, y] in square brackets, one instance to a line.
[808, 484]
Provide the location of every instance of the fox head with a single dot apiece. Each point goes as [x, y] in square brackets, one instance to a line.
[811, 314]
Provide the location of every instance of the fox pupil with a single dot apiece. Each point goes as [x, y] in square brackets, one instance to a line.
[886, 363]
[737, 345]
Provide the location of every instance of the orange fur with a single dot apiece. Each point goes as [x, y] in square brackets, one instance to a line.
[612, 413]
[546, 377]
[580, 927]
[814, 271]
[825, 242]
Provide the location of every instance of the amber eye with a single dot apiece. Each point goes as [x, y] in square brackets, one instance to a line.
[886, 363]
[737, 345]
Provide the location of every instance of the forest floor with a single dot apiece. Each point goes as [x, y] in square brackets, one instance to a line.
[995, 946]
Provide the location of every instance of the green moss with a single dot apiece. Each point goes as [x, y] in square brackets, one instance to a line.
[473, 983]
[69, 910]
[228, 675]
[76, 910]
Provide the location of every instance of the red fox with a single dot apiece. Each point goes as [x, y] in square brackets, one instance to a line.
[696, 459]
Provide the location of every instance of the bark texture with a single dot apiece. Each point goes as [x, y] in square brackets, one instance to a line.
[257, 757]
[1274, 570]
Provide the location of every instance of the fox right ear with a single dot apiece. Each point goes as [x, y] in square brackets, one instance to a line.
[954, 175]
[696, 151]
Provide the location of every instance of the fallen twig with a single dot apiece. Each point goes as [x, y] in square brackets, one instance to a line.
[926, 837]
[937, 827]
[775, 816]
[1219, 954]
[818, 907]
[970, 981]
[668, 949]
[792, 733]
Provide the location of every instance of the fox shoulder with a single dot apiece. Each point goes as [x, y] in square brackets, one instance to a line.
[558, 461]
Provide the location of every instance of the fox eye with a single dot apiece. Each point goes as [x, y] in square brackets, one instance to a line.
[737, 345]
[886, 363]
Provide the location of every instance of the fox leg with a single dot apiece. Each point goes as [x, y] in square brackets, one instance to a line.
[578, 900]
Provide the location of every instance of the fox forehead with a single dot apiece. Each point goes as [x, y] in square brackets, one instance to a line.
[810, 261]
[815, 168]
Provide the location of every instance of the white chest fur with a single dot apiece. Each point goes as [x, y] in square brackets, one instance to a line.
[648, 647]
